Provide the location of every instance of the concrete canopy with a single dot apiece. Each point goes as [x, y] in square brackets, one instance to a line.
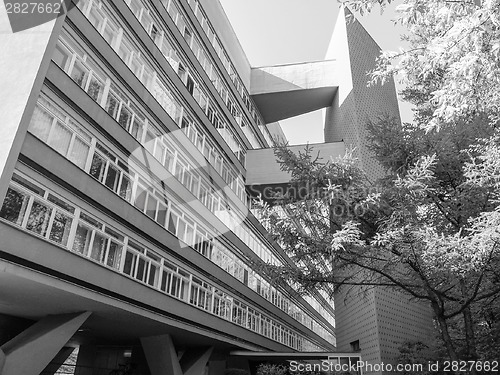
[285, 91]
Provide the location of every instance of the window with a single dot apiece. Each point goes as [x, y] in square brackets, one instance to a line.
[355, 346]
[96, 17]
[110, 32]
[14, 206]
[79, 73]
[61, 56]
[96, 88]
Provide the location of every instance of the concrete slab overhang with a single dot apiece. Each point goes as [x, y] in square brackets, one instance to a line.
[285, 91]
[264, 174]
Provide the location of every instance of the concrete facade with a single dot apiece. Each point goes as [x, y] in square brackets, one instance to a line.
[125, 229]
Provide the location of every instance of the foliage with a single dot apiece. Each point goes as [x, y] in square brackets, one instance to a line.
[454, 48]
[419, 353]
[271, 369]
[429, 228]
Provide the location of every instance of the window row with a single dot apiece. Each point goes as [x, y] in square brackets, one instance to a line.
[200, 54]
[147, 16]
[86, 73]
[226, 62]
[53, 126]
[41, 212]
[129, 117]
[100, 16]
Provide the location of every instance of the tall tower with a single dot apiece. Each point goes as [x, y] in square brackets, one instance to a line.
[376, 321]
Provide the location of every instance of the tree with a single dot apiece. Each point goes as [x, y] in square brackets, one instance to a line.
[452, 44]
[271, 369]
[428, 229]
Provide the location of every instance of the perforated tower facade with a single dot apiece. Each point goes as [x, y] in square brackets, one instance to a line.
[378, 320]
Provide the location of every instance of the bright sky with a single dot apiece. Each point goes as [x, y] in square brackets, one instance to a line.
[288, 31]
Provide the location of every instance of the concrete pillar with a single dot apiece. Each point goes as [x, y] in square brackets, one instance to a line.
[24, 62]
[32, 350]
[58, 360]
[194, 361]
[216, 367]
[85, 361]
[161, 355]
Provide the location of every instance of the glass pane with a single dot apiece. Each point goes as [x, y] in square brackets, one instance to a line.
[61, 56]
[110, 33]
[140, 198]
[159, 151]
[153, 275]
[166, 280]
[96, 88]
[149, 143]
[99, 247]
[189, 235]
[79, 153]
[60, 138]
[114, 255]
[128, 266]
[137, 129]
[125, 117]
[112, 177]
[151, 210]
[14, 206]
[124, 51]
[135, 7]
[79, 74]
[61, 227]
[162, 214]
[38, 219]
[172, 223]
[82, 239]
[112, 104]
[125, 188]
[41, 123]
[141, 265]
[97, 167]
[95, 17]
[181, 230]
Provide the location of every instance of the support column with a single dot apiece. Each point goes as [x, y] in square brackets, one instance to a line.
[194, 361]
[24, 61]
[32, 350]
[161, 355]
[58, 360]
[216, 367]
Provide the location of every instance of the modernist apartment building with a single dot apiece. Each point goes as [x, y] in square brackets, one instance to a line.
[125, 227]
[131, 133]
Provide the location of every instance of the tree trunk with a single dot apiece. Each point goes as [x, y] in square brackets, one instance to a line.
[470, 337]
[443, 329]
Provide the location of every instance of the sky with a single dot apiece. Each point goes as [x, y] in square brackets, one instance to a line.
[291, 31]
